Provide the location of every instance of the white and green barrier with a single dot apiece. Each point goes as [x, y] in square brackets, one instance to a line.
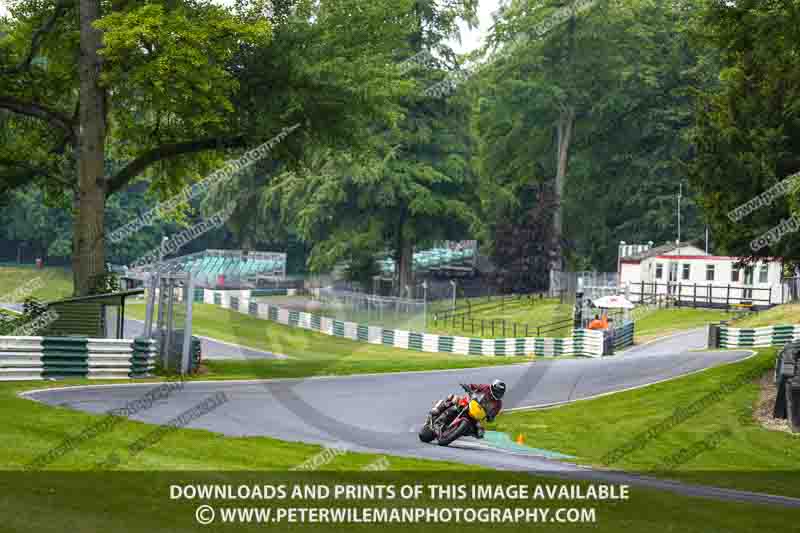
[23, 358]
[583, 342]
[757, 337]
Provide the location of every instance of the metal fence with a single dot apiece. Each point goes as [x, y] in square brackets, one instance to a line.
[704, 295]
[564, 285]
[462, 318]
[387, 311]
[498, 327]
[790, 290]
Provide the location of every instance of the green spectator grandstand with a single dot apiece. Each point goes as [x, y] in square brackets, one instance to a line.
[221, 268]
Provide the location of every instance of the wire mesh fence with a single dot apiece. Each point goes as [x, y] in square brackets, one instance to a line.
[386, 311]
[564, 285]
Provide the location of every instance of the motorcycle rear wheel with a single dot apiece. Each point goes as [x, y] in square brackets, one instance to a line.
[451, 434]
[426, 434]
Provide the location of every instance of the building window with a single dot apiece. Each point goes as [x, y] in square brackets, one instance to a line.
[763, 274]
[735, 275]
[659, 270]
[709, 272]
[687, 270]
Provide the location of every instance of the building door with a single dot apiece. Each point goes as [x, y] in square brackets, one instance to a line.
[748, 282]
[673, 278]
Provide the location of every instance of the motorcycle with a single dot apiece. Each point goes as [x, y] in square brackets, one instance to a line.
[469, 414]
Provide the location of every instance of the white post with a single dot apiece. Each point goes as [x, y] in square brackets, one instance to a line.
[680, 193]
[425, 304]
[187, 329]
[453, 283]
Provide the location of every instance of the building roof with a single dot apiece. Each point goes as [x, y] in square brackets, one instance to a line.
[658, 250]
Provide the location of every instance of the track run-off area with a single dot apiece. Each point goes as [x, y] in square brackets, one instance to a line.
[381, 413]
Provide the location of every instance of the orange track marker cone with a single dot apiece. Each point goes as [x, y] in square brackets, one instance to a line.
[520, 439]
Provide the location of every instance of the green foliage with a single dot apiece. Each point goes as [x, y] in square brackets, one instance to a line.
[626, 69]
[747, 131]
[105, 283]
[27, 218]
[412, 186]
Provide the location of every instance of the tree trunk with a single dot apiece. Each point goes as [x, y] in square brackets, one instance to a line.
[89, 230]
[404, 259]
[566, 122]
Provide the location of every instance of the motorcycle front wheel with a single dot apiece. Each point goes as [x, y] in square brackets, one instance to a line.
[452, 433]
[426, 434]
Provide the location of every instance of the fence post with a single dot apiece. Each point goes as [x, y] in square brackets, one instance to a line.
[481, 327]
[694, 303]
[504, 327]
[526, 330]
[515, 329]
[769, 296]
[493, 327]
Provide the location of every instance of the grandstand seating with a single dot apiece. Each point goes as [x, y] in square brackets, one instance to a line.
[431, 259]
[207, 266]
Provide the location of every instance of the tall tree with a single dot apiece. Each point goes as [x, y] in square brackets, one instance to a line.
[171, 88]
[595, 106]
[89, 71]
[747, 133]
[415, 185]
[521, 246]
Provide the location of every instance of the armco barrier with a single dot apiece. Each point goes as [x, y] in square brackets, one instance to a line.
[63, 357]
[583, 342]
[623, 336]
[757, 337]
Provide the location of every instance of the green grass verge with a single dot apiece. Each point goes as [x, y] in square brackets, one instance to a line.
[55, 283]
[778, 315]
[672, 320]
[533, 312]
[311, 353]
[750, 457]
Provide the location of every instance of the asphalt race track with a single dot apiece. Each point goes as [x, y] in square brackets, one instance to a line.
[381, 413]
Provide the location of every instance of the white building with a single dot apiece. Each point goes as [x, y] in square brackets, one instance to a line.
[687, 273]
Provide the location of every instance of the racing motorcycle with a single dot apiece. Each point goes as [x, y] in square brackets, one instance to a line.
[469, 413]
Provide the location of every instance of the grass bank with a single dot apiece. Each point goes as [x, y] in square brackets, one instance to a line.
[778, 315]
[49, 283]
[719, 444]
[661, 322]
[310, 353]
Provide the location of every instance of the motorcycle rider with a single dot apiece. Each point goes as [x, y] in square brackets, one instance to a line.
[492, 402]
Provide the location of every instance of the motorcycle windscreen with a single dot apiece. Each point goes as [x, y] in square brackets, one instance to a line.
[476, 411]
